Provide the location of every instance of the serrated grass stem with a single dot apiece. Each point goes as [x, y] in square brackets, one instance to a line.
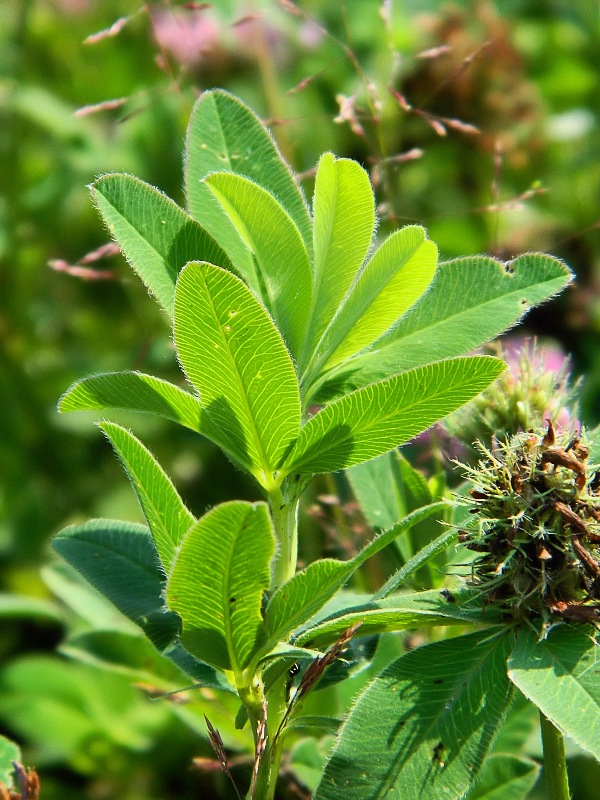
[555, 762]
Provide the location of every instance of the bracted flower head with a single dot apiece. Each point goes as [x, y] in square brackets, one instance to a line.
[535, 524]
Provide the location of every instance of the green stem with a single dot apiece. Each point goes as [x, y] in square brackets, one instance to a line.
[555, 762]
[285, 521]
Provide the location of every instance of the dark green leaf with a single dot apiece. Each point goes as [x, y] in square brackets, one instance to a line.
[120, 560]
[423, 728]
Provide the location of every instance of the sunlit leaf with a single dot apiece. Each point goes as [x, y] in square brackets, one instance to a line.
[379, 417]
[225, 135]
[156, 236]
[217, 583]
[277, 245]
[235, 357]
[393, 279]
[134, 391]
[470, 301]
[344, 221]
[165, 512]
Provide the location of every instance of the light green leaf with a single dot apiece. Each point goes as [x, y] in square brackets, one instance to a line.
[156, 236]
[302, 596]
[423, 728]
[400, 612]
[134, 391]
[379, 417]
[217, 583]
[9, 752]
[120, 560]
[133, 655]
[560, 675]
[392, 280]
[470, 301]
[344, 221]
[15, 606]
[235, 357]
[165, 512]
[279, 250]
[505, 777]
[225, 135]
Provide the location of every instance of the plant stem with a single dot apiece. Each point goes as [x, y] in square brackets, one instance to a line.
[555, 762]
[285, 521]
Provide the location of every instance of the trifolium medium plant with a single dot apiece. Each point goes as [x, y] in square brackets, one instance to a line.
[307, 346]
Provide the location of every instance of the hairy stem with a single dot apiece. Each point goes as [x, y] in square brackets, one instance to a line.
[285, 521]
[555, 762]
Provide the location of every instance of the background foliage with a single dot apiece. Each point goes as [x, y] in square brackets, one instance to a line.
[377, 81]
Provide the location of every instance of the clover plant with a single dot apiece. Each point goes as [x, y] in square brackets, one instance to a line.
[309, 347]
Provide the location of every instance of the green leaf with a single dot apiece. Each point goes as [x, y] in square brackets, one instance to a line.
[379, 417]
[294, 603]
[279, 250]
[134, 391]
[470, 301]
[400, 612]
[389, 487]
[392, 280]
[423, 728]
[225, 135]
[217, 583]
[431, 550]
[120, 560]
[165, 512]
[505, 777]
[62, 707]
[16, 605]
[376, 485]
[235, 357]
[156, 236]
[9, 752]
[344, 221]
[560, 675]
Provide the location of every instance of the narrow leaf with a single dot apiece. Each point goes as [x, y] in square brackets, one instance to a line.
[560, 675]
[393, 279]
[470, 301]
[225, 135]
[165, 512]
[156, 236]
[235, 357]
[120, 560]
[344, 221]
[217, 583]
[400, 612]
[379, 417]
[308, 591]
[279, 250]
[424, 727]
[415, 563]
[376, 486]
[134, 391]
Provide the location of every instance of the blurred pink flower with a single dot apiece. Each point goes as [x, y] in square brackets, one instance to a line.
[189, 36]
